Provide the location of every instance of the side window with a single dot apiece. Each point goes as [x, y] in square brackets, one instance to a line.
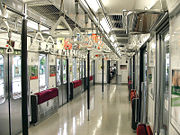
[43, 80]
[2, 89]
[16, 77]
[58, 76]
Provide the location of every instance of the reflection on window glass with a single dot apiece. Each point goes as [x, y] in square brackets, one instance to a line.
[58, 76]
[64, 71]
[42, 71]
[16, 76]
[92, 71]
[74, 69]
[2, 94]
[166, 40]
[81, 69]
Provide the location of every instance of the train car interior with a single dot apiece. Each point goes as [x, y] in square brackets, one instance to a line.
[89, 67]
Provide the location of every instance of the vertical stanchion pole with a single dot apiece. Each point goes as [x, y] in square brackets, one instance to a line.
[67, 77]
[103, 75]
[24, 77]
[88, 90]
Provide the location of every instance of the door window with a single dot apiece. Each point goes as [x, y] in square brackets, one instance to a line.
[43, 80]
[2, 89]
[81, 69]
[74, 69]
[166, 42]
[58, 77]
[16, 77]
[64, 71]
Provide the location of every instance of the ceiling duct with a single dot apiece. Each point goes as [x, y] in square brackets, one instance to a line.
[141, 22]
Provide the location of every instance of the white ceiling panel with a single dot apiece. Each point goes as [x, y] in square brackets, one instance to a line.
[116, 6]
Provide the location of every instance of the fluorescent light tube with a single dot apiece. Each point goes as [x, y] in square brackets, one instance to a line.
[105, 25]
[93, 4]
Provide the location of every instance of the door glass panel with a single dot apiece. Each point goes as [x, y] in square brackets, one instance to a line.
[2, 90]
[64, 71]
[166, 82]
[42, 71]
[16, 77]
[58, 72]
[81, 69]
[167, 61]
[74, 69]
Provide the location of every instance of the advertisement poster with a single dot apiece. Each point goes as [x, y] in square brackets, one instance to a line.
[175, 96]
[33, 72]
[52, 70]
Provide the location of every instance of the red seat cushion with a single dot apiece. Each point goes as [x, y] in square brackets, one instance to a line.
[149, 131]
[90, 78]
[47, 95]
[141, 129]
[77, 83]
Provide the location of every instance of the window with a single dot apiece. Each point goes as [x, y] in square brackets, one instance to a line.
[64, 71]
[43, 80]
[166, 41]
[2, 90]
[81, 69]
[16, 76]
[58, 76]
[74, 69]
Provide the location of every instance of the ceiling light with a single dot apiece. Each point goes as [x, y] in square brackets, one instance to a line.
[105, 25]
[43, 27]
[115, 45]
[32, 24]
[93, 4]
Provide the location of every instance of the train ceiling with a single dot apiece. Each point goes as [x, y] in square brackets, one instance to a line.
[114, 20]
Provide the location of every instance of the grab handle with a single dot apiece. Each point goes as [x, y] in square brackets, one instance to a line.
[9, 50]
[50, 39]
[41, 36]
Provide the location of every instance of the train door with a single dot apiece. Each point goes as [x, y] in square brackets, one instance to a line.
[10, 93]
[64, 80]
[143, 83]
[165, 83]
[108, 71]
[162, 76]
[94, 75]
[85, 78]
[58, 80]
[74, 69]
[82, 73]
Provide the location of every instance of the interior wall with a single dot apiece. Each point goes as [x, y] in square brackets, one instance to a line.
[123, 73]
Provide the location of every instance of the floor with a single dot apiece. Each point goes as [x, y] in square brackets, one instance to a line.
[110, 114]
